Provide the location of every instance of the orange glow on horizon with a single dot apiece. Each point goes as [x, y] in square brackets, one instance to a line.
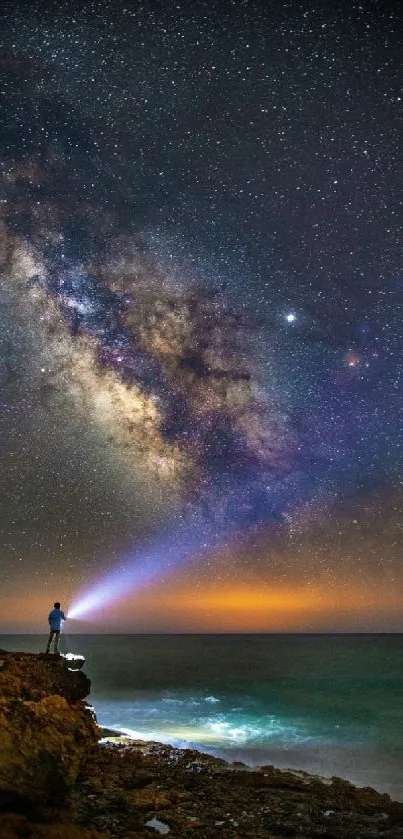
[246, 608]
[229, 607]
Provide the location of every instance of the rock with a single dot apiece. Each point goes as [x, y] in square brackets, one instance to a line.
[158, 825]
[42, 747]
[75, 662]
[46, 733]
[150, 798]
[16, 826]
[31, 676]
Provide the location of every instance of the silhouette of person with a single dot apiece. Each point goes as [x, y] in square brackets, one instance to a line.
[55, 619]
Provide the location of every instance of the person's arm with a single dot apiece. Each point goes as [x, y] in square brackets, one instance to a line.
[63, 616]
[49, 618]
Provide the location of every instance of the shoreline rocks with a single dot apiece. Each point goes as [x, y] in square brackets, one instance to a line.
[63, 777]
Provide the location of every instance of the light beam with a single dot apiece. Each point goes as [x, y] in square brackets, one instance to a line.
[194, 533]
[189, 540]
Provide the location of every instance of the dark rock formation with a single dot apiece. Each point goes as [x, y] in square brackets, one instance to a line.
[58, 782]
[134, 784]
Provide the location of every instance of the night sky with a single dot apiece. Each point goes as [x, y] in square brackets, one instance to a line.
[201, 326]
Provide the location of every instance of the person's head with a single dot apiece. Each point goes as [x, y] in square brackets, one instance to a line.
[57, 605]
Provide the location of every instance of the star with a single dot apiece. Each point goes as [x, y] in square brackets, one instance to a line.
[201, 286]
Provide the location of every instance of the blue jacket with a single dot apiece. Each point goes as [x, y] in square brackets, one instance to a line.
[55, 618]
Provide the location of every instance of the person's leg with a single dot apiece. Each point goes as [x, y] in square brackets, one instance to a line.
[49, 641]
[57, 640]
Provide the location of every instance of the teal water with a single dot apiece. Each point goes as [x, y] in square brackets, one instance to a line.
[330, 704]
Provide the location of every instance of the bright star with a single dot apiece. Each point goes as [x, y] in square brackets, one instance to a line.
[290, 318]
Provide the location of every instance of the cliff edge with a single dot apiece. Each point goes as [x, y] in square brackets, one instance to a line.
[60, 779]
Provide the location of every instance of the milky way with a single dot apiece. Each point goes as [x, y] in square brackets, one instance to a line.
[201, 284]
[167, 371]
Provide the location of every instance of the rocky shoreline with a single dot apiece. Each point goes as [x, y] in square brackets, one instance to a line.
[63, 777]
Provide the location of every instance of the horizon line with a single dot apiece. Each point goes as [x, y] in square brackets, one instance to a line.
[205, 634]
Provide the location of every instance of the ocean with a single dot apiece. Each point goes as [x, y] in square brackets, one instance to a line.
[327, 704]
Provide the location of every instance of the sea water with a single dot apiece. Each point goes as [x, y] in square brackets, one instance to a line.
[328, 704]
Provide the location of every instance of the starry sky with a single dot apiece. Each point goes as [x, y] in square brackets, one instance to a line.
[201, 330]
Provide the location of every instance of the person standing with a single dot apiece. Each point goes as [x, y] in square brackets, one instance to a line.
[55, 619]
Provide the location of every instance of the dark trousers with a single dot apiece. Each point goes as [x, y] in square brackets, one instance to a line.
[55, 637]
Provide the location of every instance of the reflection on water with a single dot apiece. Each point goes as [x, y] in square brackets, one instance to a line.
[174, 720]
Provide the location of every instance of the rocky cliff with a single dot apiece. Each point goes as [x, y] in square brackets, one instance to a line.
[60, 779]
[46, 730]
